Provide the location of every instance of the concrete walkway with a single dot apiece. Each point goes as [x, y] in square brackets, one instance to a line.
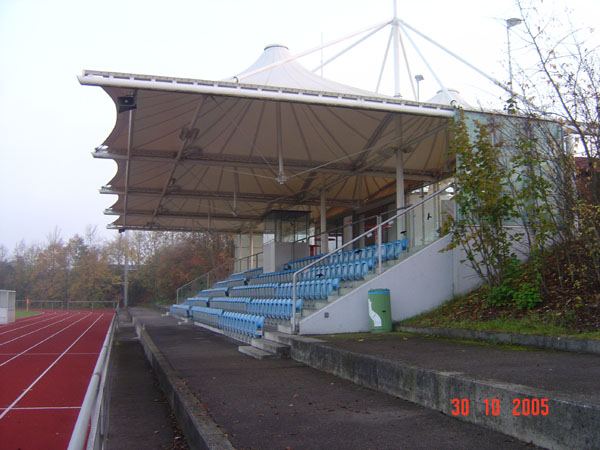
[282, 404]
[571, 375]
[140, 416]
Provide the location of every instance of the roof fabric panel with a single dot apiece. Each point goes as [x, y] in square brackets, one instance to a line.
[233, 158]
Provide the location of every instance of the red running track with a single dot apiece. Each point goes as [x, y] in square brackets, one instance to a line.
[45, 366]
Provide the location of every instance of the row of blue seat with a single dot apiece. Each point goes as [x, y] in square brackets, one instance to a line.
[346, 271]
[197, 301]
[229, 283]
[301, 262]
[310, 290]
[263, 290]
[253, 272]
[205, 315]
[250, 273]
[242, 325]
[213, 292]
[237, 304]
[180, 311]
[274, 308]
[272, 277]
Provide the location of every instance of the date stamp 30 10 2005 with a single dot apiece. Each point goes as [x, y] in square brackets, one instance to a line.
[521, 407]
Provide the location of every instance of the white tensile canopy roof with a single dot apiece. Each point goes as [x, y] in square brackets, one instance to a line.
[218, 155]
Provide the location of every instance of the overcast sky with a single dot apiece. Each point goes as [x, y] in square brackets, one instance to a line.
[49, 124]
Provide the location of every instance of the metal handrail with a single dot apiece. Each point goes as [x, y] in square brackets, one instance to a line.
[341, 227]
[378, 228]
[207, 274]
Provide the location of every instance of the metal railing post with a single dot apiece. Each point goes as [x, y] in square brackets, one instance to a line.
[378, 229]
[294, 295]
[379, 238]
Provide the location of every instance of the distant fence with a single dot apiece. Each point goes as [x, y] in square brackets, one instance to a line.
[61, 304]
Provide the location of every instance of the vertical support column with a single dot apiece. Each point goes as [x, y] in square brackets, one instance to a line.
[348, 230]
[126, 271]
[379, 246]
[361, 230]
[252, 265]
[324, 235]
[239, 254]
[436, 211]
[396, 51]
[422, 217]
[400, 202]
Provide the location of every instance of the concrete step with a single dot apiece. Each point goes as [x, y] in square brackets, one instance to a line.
[287, 328]
[255, 353]
[308, 311]
[286, 338]
[277, 349]
[315, 304]
[278, 336]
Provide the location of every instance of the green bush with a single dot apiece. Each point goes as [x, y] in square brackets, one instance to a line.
[527, 296]
[514, 290]
[500, 295]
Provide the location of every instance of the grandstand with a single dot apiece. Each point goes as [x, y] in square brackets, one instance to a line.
[329, 190]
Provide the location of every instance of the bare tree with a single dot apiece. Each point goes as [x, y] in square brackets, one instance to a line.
[564, 83]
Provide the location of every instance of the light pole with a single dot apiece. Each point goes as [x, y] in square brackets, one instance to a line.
[513, 21]
[418, 79]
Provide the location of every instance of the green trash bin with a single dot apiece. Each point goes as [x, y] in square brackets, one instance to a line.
[380, 312]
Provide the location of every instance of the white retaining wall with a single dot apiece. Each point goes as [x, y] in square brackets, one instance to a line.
[421, 282]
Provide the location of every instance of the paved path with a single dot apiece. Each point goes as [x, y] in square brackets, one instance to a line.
[281, 404]
[140, 416]
[572, 374]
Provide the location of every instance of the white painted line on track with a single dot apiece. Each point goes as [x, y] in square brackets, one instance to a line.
[68, 316]
[44, 340]
[49, 354]
[26, 390]
[30, 324]
[40, 408]
[42, 314]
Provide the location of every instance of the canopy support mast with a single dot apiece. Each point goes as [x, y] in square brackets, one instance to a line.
[395, 37]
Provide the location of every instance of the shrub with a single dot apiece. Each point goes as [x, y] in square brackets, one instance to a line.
[527, 296]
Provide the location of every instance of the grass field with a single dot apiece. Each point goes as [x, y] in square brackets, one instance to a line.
[20, 313]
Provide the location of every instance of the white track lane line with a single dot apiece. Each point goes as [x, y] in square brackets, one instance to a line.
[31, 324]
[68, 316]
[24, 320]
[24, 393]
[42, 319]
[38, 408]
[44, 340]
[48, 354]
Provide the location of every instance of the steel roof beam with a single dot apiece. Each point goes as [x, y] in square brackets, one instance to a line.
[167, 228]
[259, 163]
[219, 195]
[182, 215]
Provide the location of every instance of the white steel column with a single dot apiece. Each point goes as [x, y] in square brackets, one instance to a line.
[401, 223]
[324, 235]
[361, 230]
[126, 272]
[396, 51]
[252, 265]
[400, 226]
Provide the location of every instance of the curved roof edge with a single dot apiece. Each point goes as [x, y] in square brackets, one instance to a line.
[232, 89]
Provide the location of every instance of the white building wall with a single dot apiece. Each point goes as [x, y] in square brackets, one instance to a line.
[421, 282]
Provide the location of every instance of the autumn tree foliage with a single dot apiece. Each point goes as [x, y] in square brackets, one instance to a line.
[85, 268]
